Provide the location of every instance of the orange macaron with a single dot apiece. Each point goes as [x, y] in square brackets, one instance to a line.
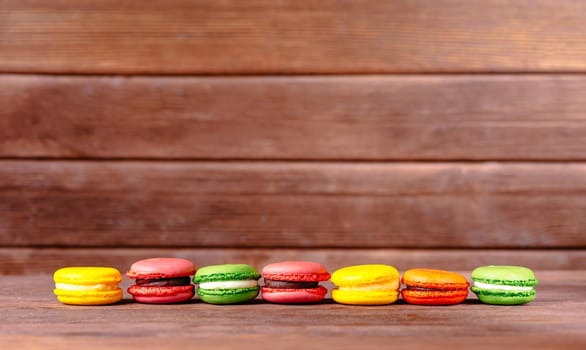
[434, 287]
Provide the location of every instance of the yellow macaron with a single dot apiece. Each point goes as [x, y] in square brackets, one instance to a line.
[87, 285]
[366, 285]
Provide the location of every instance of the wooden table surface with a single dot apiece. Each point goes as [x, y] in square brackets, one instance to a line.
[32, 318]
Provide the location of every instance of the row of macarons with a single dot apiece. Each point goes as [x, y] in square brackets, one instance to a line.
[168, 280]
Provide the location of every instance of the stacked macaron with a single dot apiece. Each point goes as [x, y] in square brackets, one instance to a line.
[294, 282]
[504, 285]
[162, 280]
[366, 285]
[227, 284]
[87, 285]
[168, 280]
[434, 287]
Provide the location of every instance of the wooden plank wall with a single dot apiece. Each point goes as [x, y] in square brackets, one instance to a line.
[416, 133]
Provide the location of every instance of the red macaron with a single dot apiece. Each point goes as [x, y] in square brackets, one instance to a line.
[293, 282]
[434, 287]
[162, 280]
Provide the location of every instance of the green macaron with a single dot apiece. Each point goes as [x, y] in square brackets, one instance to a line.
[504, 285]
[227, 284]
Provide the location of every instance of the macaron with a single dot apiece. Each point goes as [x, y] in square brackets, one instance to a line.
[162, 280]
[366, 285]
[504, 285]
[434, 287]
[294, 282]
[87, 285]
[227, 284]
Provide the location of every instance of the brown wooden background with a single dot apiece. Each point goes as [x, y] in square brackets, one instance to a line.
[438, 133]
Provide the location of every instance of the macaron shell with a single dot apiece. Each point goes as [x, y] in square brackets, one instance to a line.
[88, 298]
[358, 275]
[449, 297]
[505, 275]
[498, 297]
[162, 295]
[87, 275]
[227, 272]
[430, 278]
[440, 297]
[227, 296]
[156, 268]
[294, 296]
[169, 299]
[350, 297]
[296, 271]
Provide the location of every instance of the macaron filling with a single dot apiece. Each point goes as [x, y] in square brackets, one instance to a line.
[94, 287]
[228, 284]
[290, 284]
[424, 289]
[433, 288]
[164, 282]
[489, 286]
[388, 286]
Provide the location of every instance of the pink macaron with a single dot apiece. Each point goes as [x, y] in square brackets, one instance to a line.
[294, 282]
[162, 280]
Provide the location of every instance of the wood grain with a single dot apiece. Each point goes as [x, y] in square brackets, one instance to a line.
[293, 341]
[283, 204]
[37, 320]
[264, 36]
[473, 117]
[31, 261]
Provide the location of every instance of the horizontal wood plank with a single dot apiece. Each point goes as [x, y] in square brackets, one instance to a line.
[30, 261]
[293, 340]
[265, 36]
[281, 204]
[554, 320]
[470, 117]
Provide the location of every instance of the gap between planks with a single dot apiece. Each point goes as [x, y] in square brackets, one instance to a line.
[25, 261]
